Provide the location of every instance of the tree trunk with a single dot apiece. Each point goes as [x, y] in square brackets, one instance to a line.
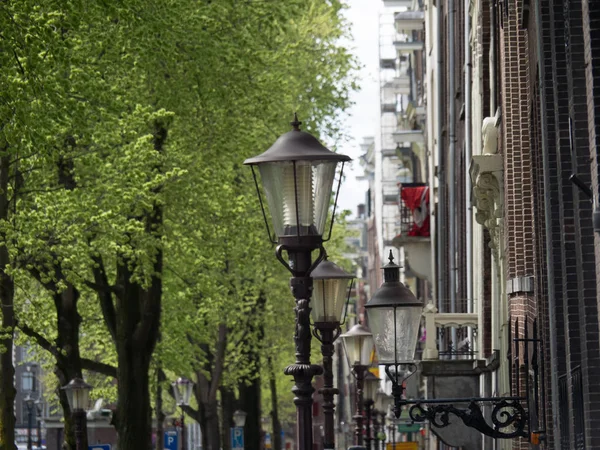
[228, 407]
[134, 421]
[134, 324]
[277, 444]
[250, 403]
[250, 388]
[7, 290]
[212, 426]
[68, 360]
[160, 415]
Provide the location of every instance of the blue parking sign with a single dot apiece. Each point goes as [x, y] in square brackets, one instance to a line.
[237, 438]
[99, 447]
[171, 442]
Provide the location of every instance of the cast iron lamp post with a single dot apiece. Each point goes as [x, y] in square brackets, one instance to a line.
[371, 385]
[78, 395]
[391, 417]
[358, 345]
[382, 404]
[297, 174]
[29, 402]
[330, 294]
[182, 390]
[39, 408]
[394, 315]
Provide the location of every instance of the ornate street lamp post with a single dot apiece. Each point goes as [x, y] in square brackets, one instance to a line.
[371, 385]
[297, 174]
[39, 408]
[182, 390]
[78, 395]
[29, 402]
[330, 295]
[382, 404]
[391, 417]
[358, 344]
[394, 315]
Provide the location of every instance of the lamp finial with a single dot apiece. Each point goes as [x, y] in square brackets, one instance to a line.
[296, 123]
[391, 257]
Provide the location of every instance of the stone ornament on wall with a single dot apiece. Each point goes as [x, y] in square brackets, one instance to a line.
[488, 185]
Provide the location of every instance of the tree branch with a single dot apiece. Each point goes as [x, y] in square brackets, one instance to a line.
[105, 296]
[219, 361]
[39, 339]
[99, 367]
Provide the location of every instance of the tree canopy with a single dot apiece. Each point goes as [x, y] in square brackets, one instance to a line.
[131, 230]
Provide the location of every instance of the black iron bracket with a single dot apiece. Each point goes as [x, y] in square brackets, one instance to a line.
[517, 415]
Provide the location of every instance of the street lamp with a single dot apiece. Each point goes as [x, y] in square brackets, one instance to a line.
[29, 402]
[394, 315]
[382, 404]
[372, 383]
[297, 174]
[391, 417]
[237, 432]
[330, 294]
[239, 418]
[78, 394]
[182, 390]
[39, 408]
[358, 345]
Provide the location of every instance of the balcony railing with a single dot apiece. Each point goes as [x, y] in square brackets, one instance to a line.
[436, 346]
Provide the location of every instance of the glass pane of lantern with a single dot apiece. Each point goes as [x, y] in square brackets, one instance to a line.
[329, 299]
[358, 349]
[401, 339]
[81, 398]
[187, 392]
[177, 392]
[371, 386]
[301, 200]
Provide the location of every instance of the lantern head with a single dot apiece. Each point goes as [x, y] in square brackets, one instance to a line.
[372, 383]
[394, 316]
[239, 418]
[182, 390]
[78, 394]
[330, 292]
[297, 173]
[358, 343]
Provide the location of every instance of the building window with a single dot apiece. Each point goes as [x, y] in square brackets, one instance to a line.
[27, 381]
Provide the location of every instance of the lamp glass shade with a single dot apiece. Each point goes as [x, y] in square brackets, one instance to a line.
[29, 401]
[78, 393]
[381, 403]
[239, 418]
[395, 332]
[371, 386]
[358, 346]
[298, 195]
[328, 299]
[182, 390]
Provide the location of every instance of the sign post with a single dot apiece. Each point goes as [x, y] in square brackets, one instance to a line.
[171, 440]
[237, 438]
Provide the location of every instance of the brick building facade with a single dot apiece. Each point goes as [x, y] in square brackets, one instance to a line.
[519, 96]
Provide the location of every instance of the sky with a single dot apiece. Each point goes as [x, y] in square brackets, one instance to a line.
[363, 117]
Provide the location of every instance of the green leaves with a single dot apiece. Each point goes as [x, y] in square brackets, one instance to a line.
[89, 88]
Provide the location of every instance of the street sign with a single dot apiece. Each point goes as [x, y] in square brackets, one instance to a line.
[99, 447]
[171, 441]
[268, 441]
[237, 438]
[403, 446]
